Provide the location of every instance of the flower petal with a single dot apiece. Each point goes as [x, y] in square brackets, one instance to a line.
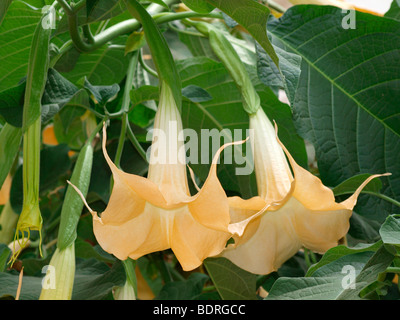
[273, 241]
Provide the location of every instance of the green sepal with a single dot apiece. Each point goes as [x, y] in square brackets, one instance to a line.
[37, 74]
[159, 49]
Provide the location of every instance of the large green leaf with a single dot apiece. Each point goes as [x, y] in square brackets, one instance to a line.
[104, 66]
[16, 33]
[231, 282]
[3, 8]
[189, 289]
[394, 11]
[390, 231]
[342, 279]
[347, 98]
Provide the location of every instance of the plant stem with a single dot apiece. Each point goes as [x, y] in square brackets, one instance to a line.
[145, 66]
[382, 196]
[393, 270]
[136, 143]
[129, 266]
[123, 27]
[121, 141]
[125, 106]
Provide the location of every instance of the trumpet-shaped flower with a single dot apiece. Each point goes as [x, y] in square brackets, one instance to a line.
[299, 211]
[151, 214]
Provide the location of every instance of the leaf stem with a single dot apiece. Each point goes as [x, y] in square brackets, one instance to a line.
[384, 197]
[121, 28]
[145, 66]
[121, 141]
[129, 266]
[136, 143]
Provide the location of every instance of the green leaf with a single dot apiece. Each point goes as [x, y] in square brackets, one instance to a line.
[102, 93]
[232, 283]
[94, 280]
[196, 94]
[394, 11]
[16, 33]
[390, 231]
[350, 185]
[5, 253]
[104, 66]
[11, 104]
[3, 8]
[378, 264]
[57, 92]
[334, 281]
[85, 250]
[90, 5]
[10, 141]
[189, 289]
[97, 10]
[289, 65]
[200, 6]
[30, 288]
[252, 16]
[346, 107]
[134, 42]
[339, 251]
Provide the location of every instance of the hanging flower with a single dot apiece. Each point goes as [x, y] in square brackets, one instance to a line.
[299, 211]
[151, 214]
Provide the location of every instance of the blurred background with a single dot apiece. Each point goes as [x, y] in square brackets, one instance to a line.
[379, 6]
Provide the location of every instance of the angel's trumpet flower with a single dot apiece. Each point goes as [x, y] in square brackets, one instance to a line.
[151, 214]
[300, 210]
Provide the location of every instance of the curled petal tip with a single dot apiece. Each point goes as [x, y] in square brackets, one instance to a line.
[94, 213]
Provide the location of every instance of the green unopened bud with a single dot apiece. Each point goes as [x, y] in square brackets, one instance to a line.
[224, 50]
[229, 57]
[59, 279]
[126, 292]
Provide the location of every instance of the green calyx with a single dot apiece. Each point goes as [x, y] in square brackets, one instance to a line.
[231, 60]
